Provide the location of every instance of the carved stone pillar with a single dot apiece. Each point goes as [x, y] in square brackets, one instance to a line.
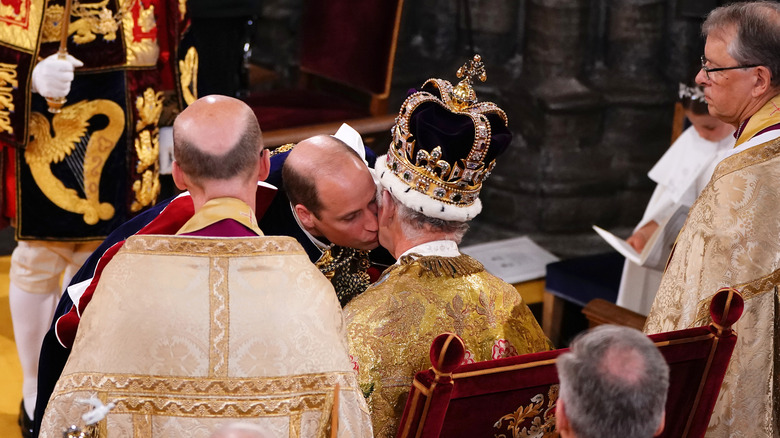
[555, 52]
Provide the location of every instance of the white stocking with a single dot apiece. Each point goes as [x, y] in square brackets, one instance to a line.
[31, 315]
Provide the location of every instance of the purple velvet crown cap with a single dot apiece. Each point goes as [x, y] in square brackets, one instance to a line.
[432, 125]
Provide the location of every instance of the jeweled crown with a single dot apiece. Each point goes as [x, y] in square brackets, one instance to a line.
[445, 142]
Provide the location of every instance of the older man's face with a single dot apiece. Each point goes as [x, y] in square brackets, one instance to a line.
[727, 92]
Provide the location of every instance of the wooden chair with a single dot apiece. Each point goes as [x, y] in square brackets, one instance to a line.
[346, 65]
[518, 395]
[600, 311]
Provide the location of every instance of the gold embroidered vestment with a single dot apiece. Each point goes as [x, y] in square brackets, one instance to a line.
[187, 333]
[732, 238]
[392, 324]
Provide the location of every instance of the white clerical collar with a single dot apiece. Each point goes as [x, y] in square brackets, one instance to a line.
[441, 248]
[322, 246]
[755, 141]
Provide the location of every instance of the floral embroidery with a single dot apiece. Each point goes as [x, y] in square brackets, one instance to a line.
[468, 358]
[355, 364]
[503, 348]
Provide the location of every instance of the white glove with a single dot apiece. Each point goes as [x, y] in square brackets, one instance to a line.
[52, 76]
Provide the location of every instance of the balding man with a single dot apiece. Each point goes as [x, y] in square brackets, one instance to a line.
[730, 237]
[186, 331]
[345, 266]
[613, 384]
[332, 199]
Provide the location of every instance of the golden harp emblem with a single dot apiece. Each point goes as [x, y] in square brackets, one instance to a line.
[84, 157]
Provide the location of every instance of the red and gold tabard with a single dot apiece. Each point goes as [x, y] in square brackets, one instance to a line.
[82, 172]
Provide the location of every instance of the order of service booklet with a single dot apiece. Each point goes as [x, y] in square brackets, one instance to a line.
[657, 249]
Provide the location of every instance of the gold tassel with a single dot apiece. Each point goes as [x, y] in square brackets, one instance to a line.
[438, 266]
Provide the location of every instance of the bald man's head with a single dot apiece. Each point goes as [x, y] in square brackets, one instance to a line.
[316, 158]
[217, 138]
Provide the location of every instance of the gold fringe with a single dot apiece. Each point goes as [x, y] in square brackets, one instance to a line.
[438, 266]
[282, 149]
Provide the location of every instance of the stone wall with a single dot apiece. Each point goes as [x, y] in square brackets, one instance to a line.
[588, 86]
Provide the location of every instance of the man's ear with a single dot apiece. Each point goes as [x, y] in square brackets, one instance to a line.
[306, 217]
[387, 210]
[178, 176]
[661, 426]
[763, 81]
[265, 165]
[388, 204]
[561, 422]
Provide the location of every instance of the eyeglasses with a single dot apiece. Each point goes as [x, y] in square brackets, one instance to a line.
[708, 70]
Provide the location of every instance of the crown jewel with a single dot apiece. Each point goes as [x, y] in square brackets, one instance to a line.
[438, 170]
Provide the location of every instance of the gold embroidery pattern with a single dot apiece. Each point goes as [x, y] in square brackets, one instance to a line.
[730, 239]
[216, 247]
[295, 425]
[390, 325]
[346, 268]
[436, 266]
[52, 20]
[147, 147]
[219, 327]
[21, 29]
[747, 158]
[8, 82]
[282, 149]
[487, 307]
[93, 19]
[202, 397]
[542, 420]
[189, 76]
[145, 51]
[182, 9]
[70, 126]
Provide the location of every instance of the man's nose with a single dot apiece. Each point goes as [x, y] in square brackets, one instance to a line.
[701, 77]
[372, 223]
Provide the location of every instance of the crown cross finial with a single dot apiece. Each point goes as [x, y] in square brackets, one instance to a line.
[472, 67]
[463, 94]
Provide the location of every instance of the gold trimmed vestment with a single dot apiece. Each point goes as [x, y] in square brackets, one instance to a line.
[732, 238]
[392, 324]
[188, 333]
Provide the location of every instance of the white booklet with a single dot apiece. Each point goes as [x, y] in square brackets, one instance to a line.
[657, 249]
[513, 260]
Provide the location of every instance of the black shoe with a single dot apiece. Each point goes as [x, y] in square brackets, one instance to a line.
[25, 422]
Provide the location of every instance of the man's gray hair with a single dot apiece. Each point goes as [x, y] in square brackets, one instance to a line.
[613, 383]
[757, 40]
[414, 224]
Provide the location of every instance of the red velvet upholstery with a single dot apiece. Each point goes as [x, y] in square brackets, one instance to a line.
[506, 396]
[349, 42]
[287, 108]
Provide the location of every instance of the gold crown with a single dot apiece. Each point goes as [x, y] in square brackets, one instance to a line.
[459, 182]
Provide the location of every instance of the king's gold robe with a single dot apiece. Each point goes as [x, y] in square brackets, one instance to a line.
[185, 334]
[732, 238]
[392, 324]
